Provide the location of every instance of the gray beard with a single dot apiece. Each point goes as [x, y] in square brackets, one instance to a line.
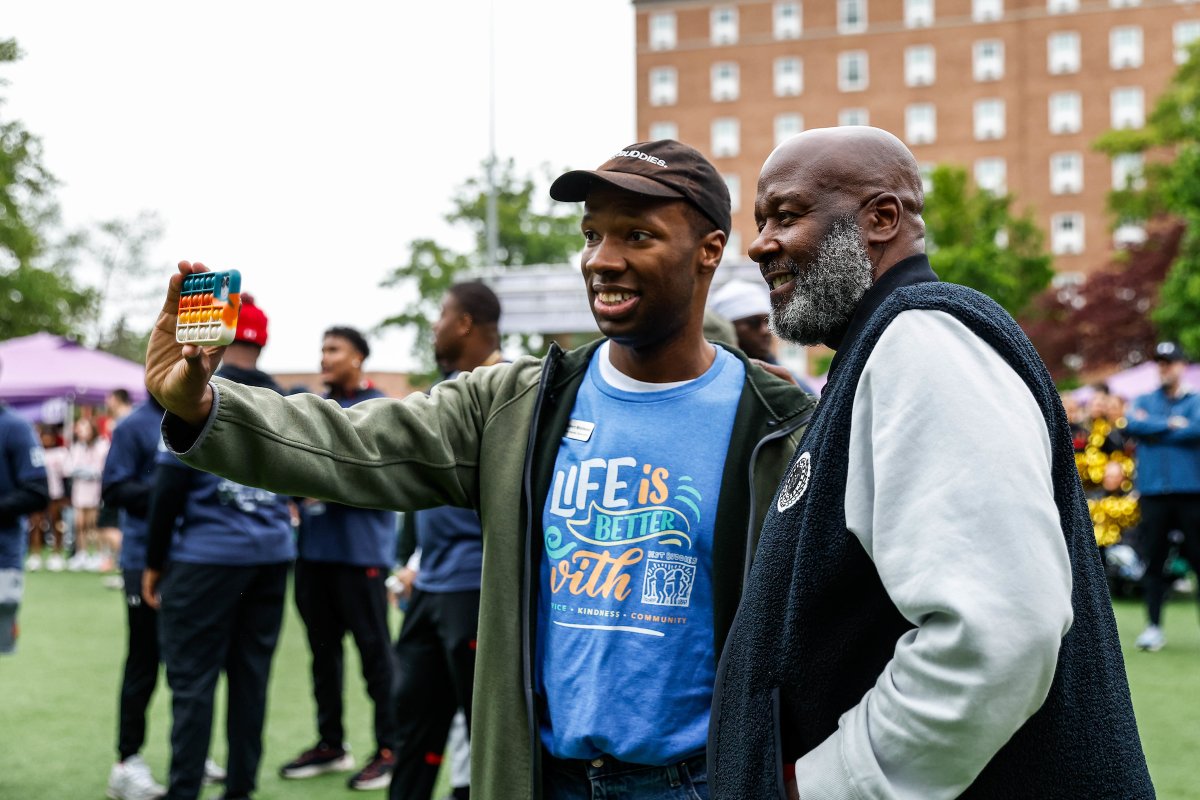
[826, 292]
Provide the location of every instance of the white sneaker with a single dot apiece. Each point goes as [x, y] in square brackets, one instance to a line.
[55, 563]
[79, 562]
[131, 780]
[114, 582]
[33, 563]
[213, 772]
[1152, 639]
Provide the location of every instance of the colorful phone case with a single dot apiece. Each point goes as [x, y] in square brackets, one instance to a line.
[208, 308]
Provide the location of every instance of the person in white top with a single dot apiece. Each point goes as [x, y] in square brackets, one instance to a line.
[85, 463]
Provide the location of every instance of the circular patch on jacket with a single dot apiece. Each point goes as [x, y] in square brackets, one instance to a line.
[795, 484]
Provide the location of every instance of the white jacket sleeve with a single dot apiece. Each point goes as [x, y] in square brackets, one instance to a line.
[949, 491]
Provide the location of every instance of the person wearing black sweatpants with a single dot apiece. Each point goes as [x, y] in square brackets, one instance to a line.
[141, 668]
[333, 600]
[1162, 514]
[436, 653]
[215, 618]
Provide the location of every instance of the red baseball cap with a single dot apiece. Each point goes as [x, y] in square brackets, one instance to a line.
[252, 323]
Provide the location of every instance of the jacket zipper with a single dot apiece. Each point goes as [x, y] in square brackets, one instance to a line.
[548, 367]
[751, 526]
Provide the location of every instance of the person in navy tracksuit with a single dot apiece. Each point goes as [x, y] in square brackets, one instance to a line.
[222, 593]
[345, 556]
[1166, 424]
[23, 489]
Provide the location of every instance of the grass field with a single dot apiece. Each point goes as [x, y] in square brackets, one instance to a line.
[58, 700]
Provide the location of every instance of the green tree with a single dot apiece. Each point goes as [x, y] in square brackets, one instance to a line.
[975, 239]
[1168, 187]
[37, 290]
[530, 230]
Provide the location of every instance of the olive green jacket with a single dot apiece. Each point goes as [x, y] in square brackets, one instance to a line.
[486, 440]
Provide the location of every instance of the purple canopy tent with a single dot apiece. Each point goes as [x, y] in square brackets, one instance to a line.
[44, 367]
[1139, 380]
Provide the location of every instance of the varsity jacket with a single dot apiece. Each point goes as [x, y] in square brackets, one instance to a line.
[814, 650]
[486, 440]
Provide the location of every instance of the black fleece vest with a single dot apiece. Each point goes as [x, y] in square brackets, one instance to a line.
[816, 627]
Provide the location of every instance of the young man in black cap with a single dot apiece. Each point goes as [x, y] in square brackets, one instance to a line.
[344, 556]
[620, 487]
[1166, 424]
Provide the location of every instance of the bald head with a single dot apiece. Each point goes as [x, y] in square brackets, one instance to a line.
[852, 168]
[852, 158]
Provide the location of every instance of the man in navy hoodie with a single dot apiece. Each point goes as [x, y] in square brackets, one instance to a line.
[1166, 424]
[436, 648]
[345, 556]
[23, 490]
[222, 594]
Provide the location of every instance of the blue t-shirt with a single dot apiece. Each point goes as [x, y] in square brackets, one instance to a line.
[230, 524]
[338, 534]
[132, 457]
[21, 461]
[451, 545]
[625, 618]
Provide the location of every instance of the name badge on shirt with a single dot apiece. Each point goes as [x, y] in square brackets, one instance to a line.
[579, 430]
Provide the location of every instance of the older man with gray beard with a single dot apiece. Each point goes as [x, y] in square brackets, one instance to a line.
[914, 626]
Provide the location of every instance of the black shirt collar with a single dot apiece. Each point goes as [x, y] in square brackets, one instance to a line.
[912, 270]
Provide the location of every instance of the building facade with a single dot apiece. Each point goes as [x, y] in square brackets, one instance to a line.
[1015, 91]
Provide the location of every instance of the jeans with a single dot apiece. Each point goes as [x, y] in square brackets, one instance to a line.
[609, 779]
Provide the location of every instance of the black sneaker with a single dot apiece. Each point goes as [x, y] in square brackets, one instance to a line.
[317, 761]
[377, 774]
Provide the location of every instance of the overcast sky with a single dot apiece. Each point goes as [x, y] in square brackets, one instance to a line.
[306, 143]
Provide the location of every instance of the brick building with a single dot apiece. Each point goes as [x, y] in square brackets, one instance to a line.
[1013, 90]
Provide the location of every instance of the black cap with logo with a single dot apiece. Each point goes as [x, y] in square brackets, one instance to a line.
[665, 168]
[1169, 351]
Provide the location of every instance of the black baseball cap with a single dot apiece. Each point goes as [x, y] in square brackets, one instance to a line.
[1169, 351]
[665, 168]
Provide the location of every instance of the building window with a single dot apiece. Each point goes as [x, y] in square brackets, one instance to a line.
[662, 31]
[734, 184]
[1125, 47]
[787, 126]
[1185, 33]
[1066, 234]
[991, 175]
[989, 119]
[852, 16]
[726, 137]
[789, 20]
[663, 130]
[1131, 234]
[1066, 173]
[1066, 112]
[1062, 52]
[723, 25]
[918, 13]
[724, 82]
[1062, 6]
[920, 123]
[733, 249]
[854, 116]
[988, 60]
[1127, 171]
[852, 71]
[664, 86]
[789, 77]
[919, 65]
[987, 10]
[1124, 3]
[1128, 107]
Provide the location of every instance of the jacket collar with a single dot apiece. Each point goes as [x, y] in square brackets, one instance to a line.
[907, 272]
[779, 398]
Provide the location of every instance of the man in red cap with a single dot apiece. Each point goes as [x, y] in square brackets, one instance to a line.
[222, 593]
